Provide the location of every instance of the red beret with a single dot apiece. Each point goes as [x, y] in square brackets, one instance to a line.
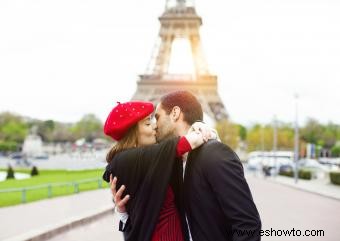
[124, 116]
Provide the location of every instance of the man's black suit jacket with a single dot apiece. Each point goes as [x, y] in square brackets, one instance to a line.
[217, 197]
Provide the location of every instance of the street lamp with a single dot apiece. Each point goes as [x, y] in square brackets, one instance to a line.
[296, 139]
[275, 145]
[262, 151]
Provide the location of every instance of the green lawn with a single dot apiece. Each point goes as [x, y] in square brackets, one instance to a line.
[62, 183]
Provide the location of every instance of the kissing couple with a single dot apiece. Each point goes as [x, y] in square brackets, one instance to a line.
[173, 180]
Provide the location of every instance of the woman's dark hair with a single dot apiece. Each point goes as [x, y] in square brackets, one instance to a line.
[190, 106]
[129, 140]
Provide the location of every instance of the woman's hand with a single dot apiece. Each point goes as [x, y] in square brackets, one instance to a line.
[117, 195]
[198, 134]
[195, 138]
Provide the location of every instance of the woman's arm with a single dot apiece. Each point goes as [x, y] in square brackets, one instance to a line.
[183, 146]
[198, 134]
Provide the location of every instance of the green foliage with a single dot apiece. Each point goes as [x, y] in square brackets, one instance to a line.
[46, 130]
[287, 173]
[62, 133]
[312, 132]
[323, 135]
[49, 177]
[303, 174]
[335, 177]
[51, 131]
[228, 132]
[259, 137]
[242, 132]
[12, 128]
[89, 127]
[6, 146]
[13, 131]
[336, 151]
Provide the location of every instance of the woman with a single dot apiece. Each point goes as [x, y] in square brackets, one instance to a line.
[151, 173]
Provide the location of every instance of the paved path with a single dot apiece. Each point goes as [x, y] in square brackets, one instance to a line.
[281, 208]
[103, 229]
[22, 221]
[319, 186]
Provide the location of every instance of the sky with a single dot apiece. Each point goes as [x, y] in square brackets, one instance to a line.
[62, 59]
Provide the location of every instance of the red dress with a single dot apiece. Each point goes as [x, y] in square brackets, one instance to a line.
[168, 227]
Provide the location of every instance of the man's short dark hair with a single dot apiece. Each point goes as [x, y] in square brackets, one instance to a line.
[189, 104]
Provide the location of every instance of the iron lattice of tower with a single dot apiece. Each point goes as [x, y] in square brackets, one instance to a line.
[180, 21]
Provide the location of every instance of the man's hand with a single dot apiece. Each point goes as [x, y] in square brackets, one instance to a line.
[117, 195]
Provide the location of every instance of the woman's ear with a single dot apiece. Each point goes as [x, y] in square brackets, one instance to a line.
[175, 113]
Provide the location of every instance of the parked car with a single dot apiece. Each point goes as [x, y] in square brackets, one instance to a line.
[318, 170]
[286, 168]
[333, 162]
[311, 164]
[43, 156]
[17, 156]
[269, 161]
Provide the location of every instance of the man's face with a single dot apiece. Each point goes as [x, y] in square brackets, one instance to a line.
[165, 127]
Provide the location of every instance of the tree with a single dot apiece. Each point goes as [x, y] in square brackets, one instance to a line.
[10, 172]
[45, 130]
[63, 133]
[242, 132]
[336, 150]
[89, 127]
[330, 135]
[228, 132]
[12, 128]
[34, 171]
[6, 146]
[324, 136]
[285, 137]
[259, 138]
[312, 132]
[262, 137]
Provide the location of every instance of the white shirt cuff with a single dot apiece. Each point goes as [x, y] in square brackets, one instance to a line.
[123, 216]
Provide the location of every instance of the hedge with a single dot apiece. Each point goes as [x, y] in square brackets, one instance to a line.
[303, 174]
[335, 177]
[8, 146]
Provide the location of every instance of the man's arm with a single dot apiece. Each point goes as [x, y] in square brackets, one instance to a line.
[225, 174]
[185, 144]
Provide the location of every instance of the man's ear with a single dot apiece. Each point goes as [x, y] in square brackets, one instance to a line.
[175, 113]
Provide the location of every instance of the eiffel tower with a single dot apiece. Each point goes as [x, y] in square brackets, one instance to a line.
[180, 21]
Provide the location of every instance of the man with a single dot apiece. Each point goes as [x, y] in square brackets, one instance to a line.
[217, 200]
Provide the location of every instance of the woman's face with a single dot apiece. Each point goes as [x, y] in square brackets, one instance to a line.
[146, 132]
